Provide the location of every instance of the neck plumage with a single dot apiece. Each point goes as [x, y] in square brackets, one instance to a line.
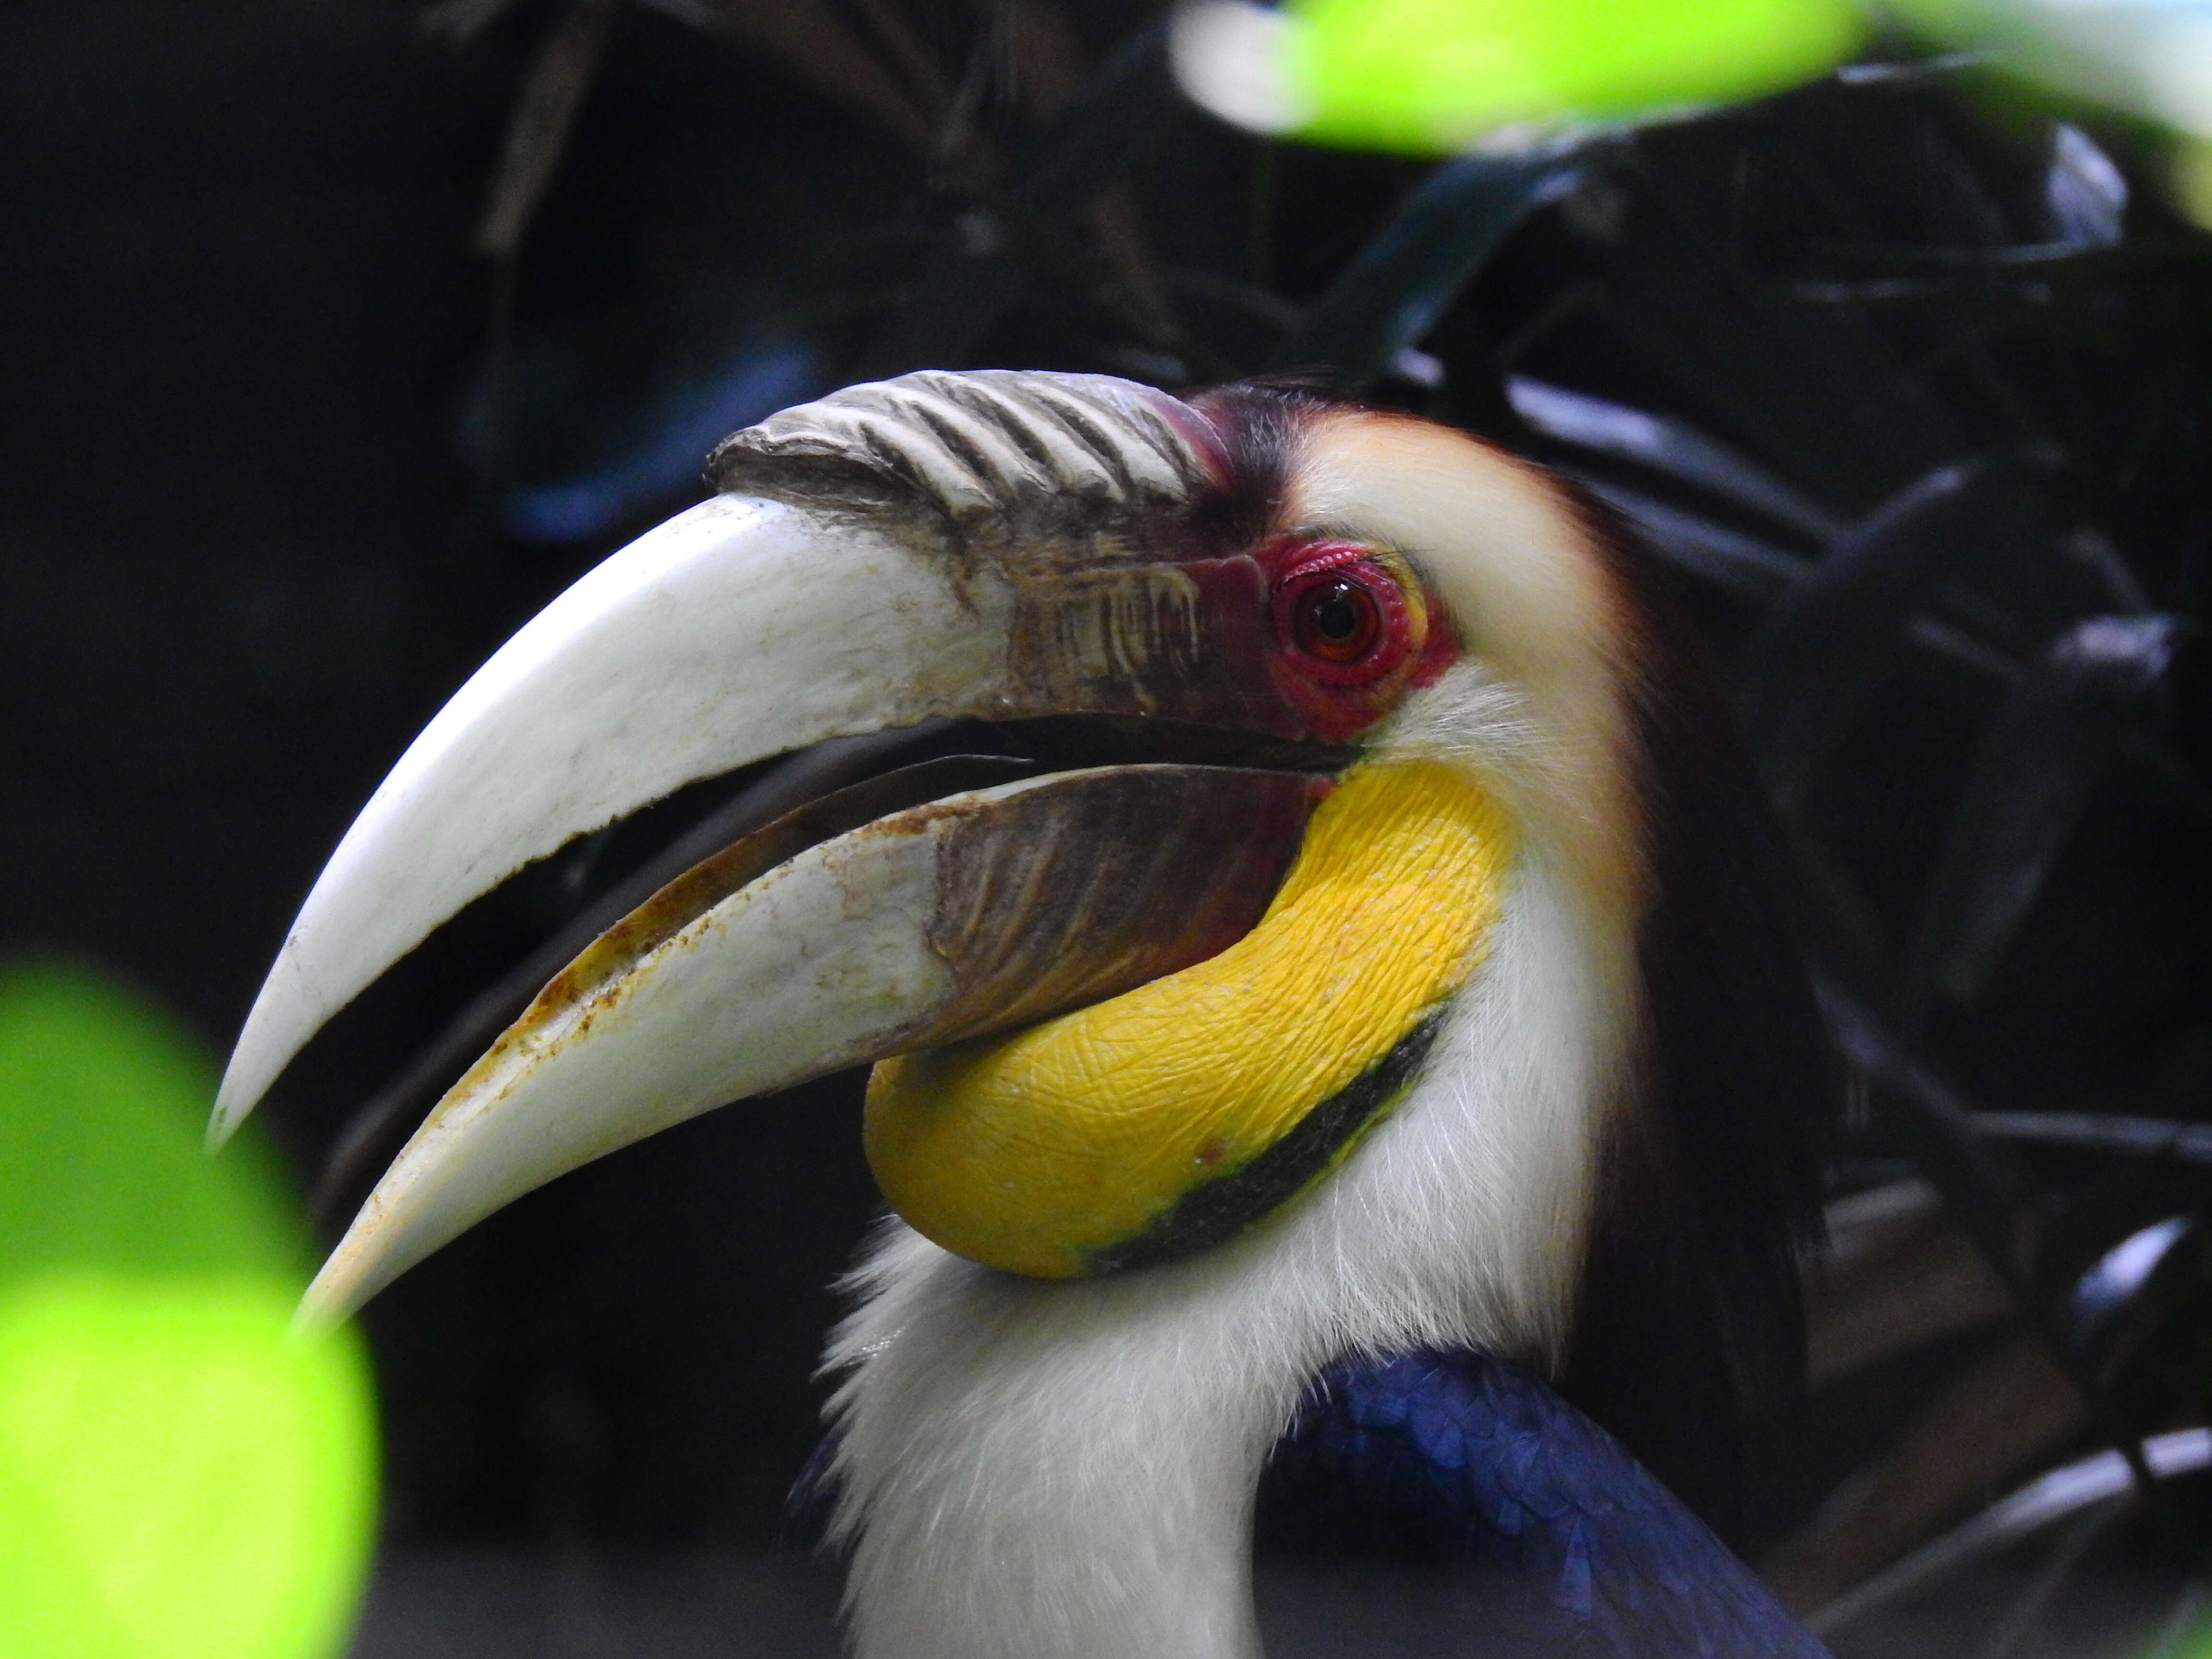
[1067, 1470]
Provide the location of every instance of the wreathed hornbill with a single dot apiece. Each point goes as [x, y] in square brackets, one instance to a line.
[1346, 1000]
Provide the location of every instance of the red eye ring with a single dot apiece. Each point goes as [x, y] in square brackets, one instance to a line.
[1340, 616]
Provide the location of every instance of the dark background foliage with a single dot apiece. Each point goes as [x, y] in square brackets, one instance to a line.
[1904, 375]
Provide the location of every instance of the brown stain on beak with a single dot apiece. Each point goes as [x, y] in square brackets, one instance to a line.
[1075, 890]
[571, 996]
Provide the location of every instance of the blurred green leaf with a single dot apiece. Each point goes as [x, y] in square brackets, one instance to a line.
[1432, 77]
[2196, 1640]
[2147, 59]
[179, 1477]
[1395, 287]
[2053, 739]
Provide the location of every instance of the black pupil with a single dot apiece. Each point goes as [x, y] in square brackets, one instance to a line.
[1336, 617]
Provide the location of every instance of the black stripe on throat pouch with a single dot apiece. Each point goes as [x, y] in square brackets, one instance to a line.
[1218, 1209]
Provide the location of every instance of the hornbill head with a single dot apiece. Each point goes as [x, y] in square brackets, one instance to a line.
[1368, 901]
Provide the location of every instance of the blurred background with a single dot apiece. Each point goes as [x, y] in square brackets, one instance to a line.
[339, 335]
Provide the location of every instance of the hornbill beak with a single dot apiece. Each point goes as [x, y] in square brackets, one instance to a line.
[999, 548]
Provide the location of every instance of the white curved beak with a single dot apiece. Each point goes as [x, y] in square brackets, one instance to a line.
[741, 629]
[749, 627]
[754, 971]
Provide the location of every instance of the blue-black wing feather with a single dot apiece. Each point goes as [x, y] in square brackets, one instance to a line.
[1472, 1464]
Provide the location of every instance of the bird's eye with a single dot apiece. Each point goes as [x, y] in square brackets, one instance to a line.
[1341, 615]
[1337, 621]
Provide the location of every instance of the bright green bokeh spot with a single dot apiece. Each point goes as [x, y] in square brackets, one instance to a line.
[179, 1477]
[1435, 75]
